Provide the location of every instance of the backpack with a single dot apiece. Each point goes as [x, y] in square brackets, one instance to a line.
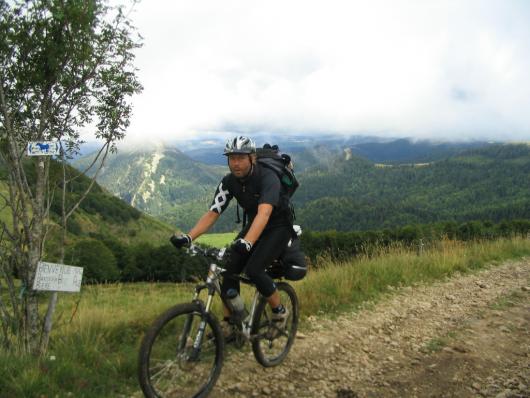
[270, 157]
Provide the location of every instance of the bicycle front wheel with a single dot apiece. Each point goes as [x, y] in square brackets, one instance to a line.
[181, 354]
[270, 344]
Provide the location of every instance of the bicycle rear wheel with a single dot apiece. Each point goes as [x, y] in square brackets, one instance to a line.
[169, 365]
[269, 344]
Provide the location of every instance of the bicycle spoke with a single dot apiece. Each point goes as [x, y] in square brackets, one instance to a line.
[173, 367]
[271, 343]
[165, 368]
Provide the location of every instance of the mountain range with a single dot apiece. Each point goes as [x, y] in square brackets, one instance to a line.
[354, 183]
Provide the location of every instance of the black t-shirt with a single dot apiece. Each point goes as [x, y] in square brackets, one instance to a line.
[261, 186]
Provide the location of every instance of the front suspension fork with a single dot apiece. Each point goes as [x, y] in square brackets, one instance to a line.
[194, 354]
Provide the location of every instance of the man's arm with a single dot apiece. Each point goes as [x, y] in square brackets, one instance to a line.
[219, 204]
[259, 223]
[204, 224]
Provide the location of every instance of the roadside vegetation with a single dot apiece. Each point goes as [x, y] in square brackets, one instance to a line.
[94, 345]
[144, 254]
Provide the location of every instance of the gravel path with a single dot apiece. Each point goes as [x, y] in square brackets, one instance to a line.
[468, 336]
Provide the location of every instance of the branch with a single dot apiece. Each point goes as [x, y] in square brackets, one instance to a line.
[85, 77]
[17, 169]
[17, 200]
[13, 203]
[76, 85]
[92, 182]
[25, 178]
[5, 231]
[6, 201]
[49, 194]
[64, 127]
[88, 168]
[47, 94]
[6, 320]
[12, 292]
[49, 197]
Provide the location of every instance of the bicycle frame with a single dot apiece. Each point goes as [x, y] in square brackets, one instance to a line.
[213, 285]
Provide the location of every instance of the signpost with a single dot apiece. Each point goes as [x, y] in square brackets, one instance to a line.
[49, 276]
[57, 277]
[44, 148]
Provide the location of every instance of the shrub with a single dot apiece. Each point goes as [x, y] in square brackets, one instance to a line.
[97, 260]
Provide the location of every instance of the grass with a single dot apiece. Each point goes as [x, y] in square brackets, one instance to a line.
[438, 343]
[97, 332]
[217, 240]
[146, 229]
[507, 301]
[338, 287]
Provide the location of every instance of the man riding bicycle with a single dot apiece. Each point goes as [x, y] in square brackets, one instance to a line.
[259, 192]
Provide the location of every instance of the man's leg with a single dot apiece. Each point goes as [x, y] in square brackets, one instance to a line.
[269, 247]
[274, 299]
[234, 267]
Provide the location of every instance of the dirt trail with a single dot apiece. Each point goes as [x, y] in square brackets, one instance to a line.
[468, 336]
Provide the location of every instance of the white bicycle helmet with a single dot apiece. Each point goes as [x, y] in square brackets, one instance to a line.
[239, 144]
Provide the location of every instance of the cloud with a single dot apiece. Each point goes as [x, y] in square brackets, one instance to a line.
[415, 68]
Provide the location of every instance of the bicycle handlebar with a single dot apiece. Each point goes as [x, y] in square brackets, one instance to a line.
[219, 254]
[215, 253]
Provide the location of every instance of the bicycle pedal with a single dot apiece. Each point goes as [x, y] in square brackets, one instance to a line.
[229, 339]
[239, 341]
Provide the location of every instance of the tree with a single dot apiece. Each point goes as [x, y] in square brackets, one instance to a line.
[65, 66]
[97, 260]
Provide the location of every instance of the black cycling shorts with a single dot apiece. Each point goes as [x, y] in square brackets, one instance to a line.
[268, 248]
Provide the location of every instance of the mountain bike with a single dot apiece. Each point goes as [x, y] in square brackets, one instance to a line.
[182, 353]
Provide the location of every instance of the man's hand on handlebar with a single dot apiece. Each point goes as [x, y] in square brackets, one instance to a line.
[242, 246]
[179, 241]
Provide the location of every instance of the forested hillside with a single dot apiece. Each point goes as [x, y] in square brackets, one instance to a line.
[491, 183]
[163, 182]
[407, 151]
[110, 239]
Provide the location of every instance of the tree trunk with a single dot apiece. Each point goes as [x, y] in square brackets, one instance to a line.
[32, 323]
[35, 253]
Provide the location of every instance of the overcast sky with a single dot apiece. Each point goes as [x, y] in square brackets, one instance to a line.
[425, 69]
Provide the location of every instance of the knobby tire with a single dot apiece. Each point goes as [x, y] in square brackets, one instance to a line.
[270, 350]
[165, 368]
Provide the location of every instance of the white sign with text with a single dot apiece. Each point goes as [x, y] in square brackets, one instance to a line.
[58, 277]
